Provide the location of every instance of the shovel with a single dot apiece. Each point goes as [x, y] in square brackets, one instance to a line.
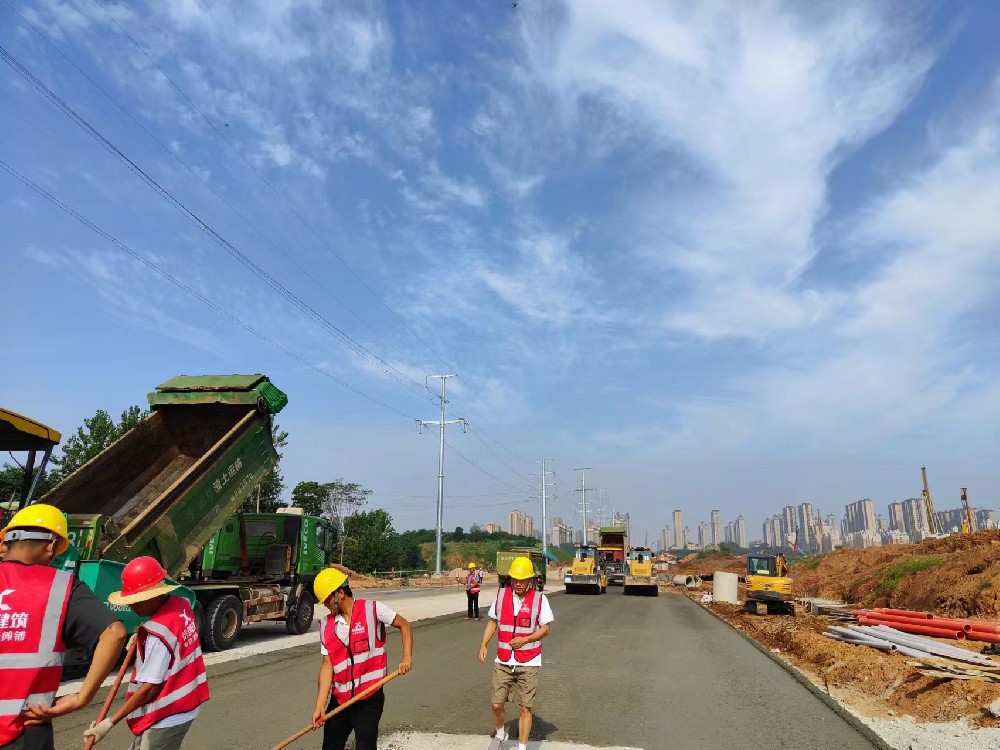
[111, 695]
[360, 696]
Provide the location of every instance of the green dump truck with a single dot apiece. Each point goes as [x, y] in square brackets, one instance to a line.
[506, 557]
[169, 489]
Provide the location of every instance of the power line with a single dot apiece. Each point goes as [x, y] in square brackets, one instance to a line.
[195, 174]
[484, 471]
[377, 362]
[480, 436]
[197, 295]
[263, 179]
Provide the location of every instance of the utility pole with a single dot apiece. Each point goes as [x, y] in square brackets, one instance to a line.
[583, 492]
[545, 528]
[442, 422]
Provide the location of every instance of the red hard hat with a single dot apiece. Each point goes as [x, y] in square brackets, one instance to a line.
[141, 574]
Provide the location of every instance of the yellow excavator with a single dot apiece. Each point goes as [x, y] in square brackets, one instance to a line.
[639, 578]
[769, 589]
[585, 577]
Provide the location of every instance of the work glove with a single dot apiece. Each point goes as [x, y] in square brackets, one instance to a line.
[98, 731]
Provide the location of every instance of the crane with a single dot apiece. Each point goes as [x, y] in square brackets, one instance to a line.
[929, 503]
[969, 523]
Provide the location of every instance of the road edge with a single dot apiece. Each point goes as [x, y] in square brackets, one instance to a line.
[866, 731]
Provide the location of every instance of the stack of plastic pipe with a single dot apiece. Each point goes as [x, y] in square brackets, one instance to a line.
[924, 623]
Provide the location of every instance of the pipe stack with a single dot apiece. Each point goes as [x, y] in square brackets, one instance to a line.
[886, 638]
[924, 623]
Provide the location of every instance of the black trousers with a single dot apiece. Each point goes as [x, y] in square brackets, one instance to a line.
[473, 603]
[33, 738]
[362, 718]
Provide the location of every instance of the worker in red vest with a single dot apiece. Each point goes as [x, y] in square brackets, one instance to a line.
[473, 585]
[168, 683]
[521, 617]
[352, 641]
[42, 611]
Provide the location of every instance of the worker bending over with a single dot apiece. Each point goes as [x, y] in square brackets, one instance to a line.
[42, 611]
[352, 641]
[522, 616]
[168, 683]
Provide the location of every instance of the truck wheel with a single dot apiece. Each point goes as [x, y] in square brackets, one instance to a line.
[199, 618]
[302, 619]
[223, 622]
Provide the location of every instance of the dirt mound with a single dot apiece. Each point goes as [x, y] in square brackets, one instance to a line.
[869, 681]
[700, 564]
[956, 576]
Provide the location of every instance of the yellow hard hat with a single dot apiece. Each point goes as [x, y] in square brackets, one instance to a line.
[522, 569]
[328, 581]
[472, 565]
[40, 516]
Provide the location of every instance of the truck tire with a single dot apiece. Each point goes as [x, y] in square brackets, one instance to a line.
[199, 618]
[223, 622]
[301, 619]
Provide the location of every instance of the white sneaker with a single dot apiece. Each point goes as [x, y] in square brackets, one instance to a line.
[497, 742]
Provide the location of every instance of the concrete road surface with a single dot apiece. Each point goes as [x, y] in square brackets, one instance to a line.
[619, 671]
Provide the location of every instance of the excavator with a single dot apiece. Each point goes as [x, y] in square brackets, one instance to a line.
[769, 589]
[585, 577]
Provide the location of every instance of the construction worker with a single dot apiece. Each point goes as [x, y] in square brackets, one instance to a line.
[521, 615]
[168, 683]
[352, 641]
[473, 585]
[42, 612]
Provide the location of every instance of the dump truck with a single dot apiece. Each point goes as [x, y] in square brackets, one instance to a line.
[586, 576]
[168, 486]
[640, 578]
[506, 556]
[611, 551]
[769, 589]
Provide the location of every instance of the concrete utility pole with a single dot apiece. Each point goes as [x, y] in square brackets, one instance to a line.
[583, 491]
[545, 528]
[442, 422]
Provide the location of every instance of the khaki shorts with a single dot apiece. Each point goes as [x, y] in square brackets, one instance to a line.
[525, 679]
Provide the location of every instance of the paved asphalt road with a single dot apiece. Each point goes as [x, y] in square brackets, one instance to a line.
[640, 672]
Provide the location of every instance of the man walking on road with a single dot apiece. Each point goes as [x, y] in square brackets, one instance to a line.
[352, 641]
[473, 585]
[42, 611]
[521, 617]
[168, 683]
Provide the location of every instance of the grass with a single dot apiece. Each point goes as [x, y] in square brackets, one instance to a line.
[810, 563]
[897, 572]
[983, 585]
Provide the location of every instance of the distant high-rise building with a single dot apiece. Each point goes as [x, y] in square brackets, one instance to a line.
[684, 538]
[716, 528]
[680, 541]
[788, 525]
[667, 541]
[560, 533]
[741, 532]
[915, 517]
[766, 528]
[621, 519]
[730, 532]
[985, 519]
[492, 528]
[703, 535]
[806, 528]
[520, 523]
[896, 516]
[861, 517]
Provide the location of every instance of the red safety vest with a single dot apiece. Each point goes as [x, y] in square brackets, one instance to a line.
[186, 686]
[33, 602]
[519, 625]
[472, 583]
[365, 661]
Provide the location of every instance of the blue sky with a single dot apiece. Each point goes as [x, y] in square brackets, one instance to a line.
[730, 256]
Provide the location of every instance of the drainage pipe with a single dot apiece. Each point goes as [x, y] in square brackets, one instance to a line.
[912, 627]
[942, 623]
[941, 649]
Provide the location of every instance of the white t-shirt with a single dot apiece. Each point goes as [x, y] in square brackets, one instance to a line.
[544, 618]
[383, 613]
[154, 672]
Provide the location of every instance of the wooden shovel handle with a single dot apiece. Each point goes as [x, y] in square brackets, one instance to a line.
[89, 743]
[360, 696]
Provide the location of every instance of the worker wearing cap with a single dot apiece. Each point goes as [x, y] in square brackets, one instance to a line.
[521, 617]
[473, 585]
[42, 611]
[168, 683]
[352, 641]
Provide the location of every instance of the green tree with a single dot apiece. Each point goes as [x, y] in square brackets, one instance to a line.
[310, 496]
[97, 433]
[372, 542]
[335, 501]
[272, 484]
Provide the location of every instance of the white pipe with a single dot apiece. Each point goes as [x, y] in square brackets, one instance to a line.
[879, 643]
[926, 643]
